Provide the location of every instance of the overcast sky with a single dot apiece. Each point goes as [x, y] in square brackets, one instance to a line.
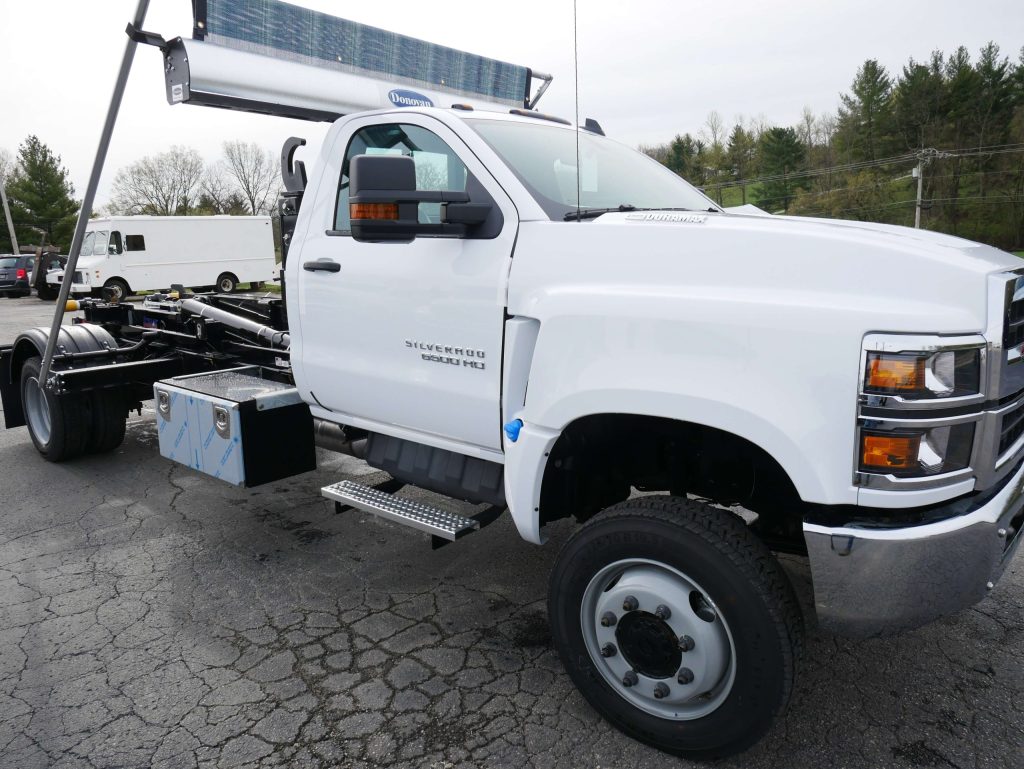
[647, 70]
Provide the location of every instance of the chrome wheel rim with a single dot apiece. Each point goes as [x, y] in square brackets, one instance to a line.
[226, 285]
[658, 639]
[37, 410]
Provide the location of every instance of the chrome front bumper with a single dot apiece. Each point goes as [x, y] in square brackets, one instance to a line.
[873, 581]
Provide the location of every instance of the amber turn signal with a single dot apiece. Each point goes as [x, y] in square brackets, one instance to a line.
[889, 452]
[373, 211]
[894, 372]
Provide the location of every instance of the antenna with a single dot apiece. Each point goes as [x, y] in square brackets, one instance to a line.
[576, 77]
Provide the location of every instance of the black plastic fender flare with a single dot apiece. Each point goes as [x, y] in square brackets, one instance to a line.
[80, 337]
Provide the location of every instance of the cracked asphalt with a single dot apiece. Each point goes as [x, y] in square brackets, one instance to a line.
[153, 617]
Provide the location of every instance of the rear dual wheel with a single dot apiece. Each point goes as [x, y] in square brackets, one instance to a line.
[68, 426]
[677, 625]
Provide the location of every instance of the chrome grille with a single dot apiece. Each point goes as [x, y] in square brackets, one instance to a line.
[1013, 334]
[1011, 428]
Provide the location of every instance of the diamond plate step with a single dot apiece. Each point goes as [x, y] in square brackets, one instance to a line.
[407, 512]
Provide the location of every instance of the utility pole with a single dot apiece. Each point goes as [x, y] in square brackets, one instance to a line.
[7, 213]
[924, 156]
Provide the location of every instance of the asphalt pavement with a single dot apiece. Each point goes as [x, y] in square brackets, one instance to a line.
[154, 617]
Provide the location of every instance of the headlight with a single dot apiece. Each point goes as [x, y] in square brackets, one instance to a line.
[946, 374]
[913, 452]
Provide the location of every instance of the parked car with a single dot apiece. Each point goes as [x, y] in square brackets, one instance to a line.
[42, 266]
[14, 271]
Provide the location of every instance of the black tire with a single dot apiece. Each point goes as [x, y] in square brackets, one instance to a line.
[227, 283]
[46, 294]
[107, 415]
[746, 587]
[120, 288]
[68, 435]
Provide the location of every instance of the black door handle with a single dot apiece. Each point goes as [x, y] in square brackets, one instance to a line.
[321, 265]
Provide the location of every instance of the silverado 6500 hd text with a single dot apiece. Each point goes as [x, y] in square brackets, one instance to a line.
[510, 310]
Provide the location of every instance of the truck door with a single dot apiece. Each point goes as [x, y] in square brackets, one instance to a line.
[405, 335]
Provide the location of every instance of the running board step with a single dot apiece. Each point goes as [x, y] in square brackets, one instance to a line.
[407, 512]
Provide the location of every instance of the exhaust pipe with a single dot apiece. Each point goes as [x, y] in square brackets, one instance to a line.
[327, 435]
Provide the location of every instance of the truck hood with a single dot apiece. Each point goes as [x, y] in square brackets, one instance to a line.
[971, 253]
[911, 280]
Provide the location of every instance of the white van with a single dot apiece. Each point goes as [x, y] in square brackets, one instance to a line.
[128, 254]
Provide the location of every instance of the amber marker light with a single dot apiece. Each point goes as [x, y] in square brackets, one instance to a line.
[889, 452]
[373, 211]
[894, 373]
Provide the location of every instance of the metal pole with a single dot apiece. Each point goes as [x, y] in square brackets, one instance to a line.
[7, 213]
[90, 192]
[920, 187]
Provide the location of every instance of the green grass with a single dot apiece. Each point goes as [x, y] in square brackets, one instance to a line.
[1018, 253]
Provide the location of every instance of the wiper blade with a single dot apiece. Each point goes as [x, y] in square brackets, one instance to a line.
[593, 213]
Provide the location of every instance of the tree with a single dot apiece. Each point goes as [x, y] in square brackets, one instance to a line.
[867, 110]
[918, 101]
[255, 173]
[686, 158]
[166, 184]
[741, 153]
[218, 194]
[782, 155]
[41, 195]
[6, 165]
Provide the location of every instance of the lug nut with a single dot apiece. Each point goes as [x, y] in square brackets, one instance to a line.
[1001, 533]
[662, 612]
[661, 691]
[685, 676]
[686, 643]
[630, 679]
[609, 650]
[629, 603]
[608, 619]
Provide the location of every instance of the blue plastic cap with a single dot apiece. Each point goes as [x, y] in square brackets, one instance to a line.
[512, 429]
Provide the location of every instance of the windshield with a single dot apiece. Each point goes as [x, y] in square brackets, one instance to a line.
[87, 242]
[100, 246]
[611, 174]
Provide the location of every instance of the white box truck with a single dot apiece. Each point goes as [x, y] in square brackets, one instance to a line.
[127, 254]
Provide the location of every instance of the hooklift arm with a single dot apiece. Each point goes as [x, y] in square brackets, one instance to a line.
[90, 190]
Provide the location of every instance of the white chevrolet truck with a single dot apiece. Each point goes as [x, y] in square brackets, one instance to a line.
[513, 311]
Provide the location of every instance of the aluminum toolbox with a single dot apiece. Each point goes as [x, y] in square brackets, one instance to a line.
[239, 425]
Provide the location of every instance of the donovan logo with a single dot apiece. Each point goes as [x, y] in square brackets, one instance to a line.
[403, 98]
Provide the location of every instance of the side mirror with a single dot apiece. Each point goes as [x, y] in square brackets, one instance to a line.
[380, 188]
[384, 202]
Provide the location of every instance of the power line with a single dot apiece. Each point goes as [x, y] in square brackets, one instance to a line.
[998, 149]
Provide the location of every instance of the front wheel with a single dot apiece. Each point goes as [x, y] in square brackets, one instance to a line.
[118, 290]
[677, 625]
